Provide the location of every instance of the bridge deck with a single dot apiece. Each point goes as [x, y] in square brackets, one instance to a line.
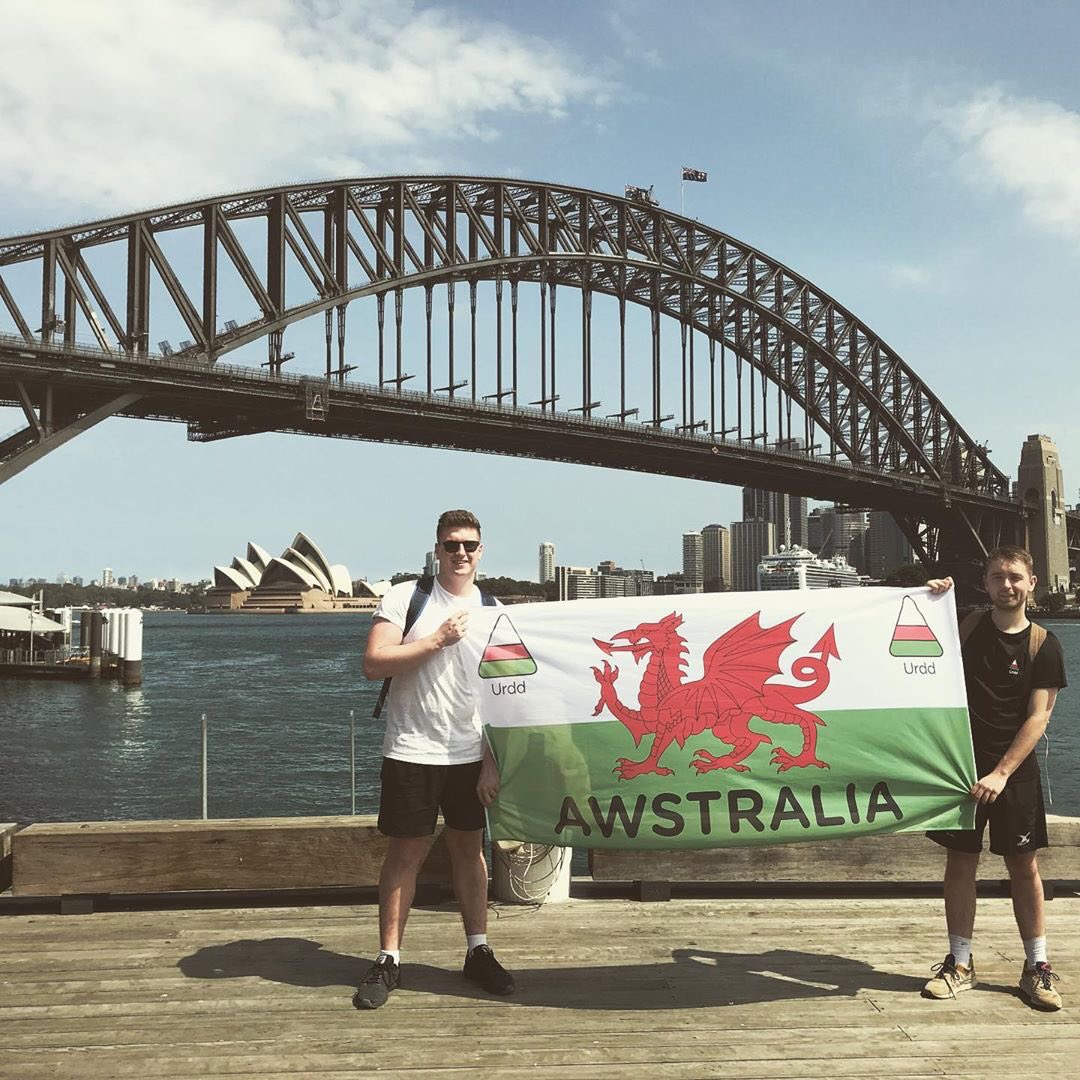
[694, 988]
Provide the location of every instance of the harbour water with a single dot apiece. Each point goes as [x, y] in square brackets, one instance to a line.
[277, 692]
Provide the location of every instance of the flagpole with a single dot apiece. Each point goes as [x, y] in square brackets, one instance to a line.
[682, 197]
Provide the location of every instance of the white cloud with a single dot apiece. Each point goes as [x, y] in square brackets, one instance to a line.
[123, 103]
[910, 275]
[1028, 147]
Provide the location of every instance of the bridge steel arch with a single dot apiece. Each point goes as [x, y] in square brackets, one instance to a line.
[890, 440]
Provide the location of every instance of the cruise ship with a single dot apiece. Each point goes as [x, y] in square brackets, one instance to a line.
[797, 568]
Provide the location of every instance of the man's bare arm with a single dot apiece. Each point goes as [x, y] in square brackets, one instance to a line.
[487, 787]
[386, 656]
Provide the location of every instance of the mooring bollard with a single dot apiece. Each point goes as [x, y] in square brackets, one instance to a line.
[95, 644]
[131, 651]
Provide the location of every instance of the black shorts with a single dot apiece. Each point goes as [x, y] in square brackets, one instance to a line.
[412, 796]
[1017, 822]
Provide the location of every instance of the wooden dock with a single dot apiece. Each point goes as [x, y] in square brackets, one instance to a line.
[747, 988]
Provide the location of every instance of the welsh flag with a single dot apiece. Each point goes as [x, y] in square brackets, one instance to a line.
[724, 719]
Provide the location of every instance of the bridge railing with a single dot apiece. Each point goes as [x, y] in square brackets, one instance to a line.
[195, 364]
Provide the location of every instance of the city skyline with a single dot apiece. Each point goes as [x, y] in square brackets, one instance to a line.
[932, 146]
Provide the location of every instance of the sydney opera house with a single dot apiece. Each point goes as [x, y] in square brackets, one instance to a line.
[299, 580]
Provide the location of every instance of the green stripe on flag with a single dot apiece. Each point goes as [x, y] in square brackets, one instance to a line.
[501, 669]
[915, 648]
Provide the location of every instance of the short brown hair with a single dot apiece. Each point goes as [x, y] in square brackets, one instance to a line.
[457, 519]
[1011, 553]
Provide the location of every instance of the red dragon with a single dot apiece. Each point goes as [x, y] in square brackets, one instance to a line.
[733, 690]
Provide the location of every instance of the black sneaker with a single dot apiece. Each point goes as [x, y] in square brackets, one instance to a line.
[383, 977]
[482, 968]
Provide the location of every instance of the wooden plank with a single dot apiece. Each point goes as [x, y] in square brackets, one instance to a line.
[734, 988]
[7, 831]
[117, 857]
[898, 857]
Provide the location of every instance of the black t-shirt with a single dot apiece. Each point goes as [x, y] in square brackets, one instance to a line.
[1000, 678]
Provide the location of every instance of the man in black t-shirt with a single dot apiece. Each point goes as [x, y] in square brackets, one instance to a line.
[1013, 672]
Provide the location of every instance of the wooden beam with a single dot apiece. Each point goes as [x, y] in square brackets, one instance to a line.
[118, 857]
[884, 859]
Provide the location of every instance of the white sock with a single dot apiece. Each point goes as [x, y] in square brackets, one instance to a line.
[960, 947]
[472, 940]
[1035, 950]
[394, 954]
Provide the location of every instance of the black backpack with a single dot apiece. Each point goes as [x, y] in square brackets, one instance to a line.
[421, 595]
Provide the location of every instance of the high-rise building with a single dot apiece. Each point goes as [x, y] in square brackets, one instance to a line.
[786, 512]
[107, 577]
[886, 545]
[1041, 485]
[751, 541]
[838, 530]
[547, 562]
[431, 564]
[716, 558]
[693, 561]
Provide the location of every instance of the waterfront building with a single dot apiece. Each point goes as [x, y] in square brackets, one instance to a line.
[612, 585]
[547, 562]
[576, 582]
[639, 582]
[1040, 484]
[106, 577]
[669, 585]
[751, 541]
[693, 562]
[301, 579]
[716, 558]
[799, 568]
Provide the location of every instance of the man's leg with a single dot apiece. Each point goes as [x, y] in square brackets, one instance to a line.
[469, 873]
[957, 971]
[1037, 977]
[1026, 886]
[961, 868]
[397, 886]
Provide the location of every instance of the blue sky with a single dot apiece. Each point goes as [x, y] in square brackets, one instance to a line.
[918, 161]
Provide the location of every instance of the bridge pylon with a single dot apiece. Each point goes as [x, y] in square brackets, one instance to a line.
[1041, 488]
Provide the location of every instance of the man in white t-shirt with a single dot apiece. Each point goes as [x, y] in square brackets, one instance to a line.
[434, 758]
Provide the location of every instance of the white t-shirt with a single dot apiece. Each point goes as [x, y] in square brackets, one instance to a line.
[431, 716]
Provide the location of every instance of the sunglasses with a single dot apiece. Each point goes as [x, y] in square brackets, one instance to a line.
[452, 546]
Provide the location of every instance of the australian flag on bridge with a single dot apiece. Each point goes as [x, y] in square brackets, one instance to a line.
[694, 174]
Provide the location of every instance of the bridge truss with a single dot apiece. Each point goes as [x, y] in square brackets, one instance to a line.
[544, 321]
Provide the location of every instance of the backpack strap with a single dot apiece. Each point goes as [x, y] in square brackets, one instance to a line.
[967, 627]
[421, 595]
[1035, 641]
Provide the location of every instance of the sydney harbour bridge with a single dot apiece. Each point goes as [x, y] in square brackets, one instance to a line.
[492, 315]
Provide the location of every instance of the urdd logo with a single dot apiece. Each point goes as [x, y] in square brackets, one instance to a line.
[505, 655]
[912, 635]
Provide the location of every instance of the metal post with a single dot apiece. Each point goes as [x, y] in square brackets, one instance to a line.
[352, 756]
[204, 813]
